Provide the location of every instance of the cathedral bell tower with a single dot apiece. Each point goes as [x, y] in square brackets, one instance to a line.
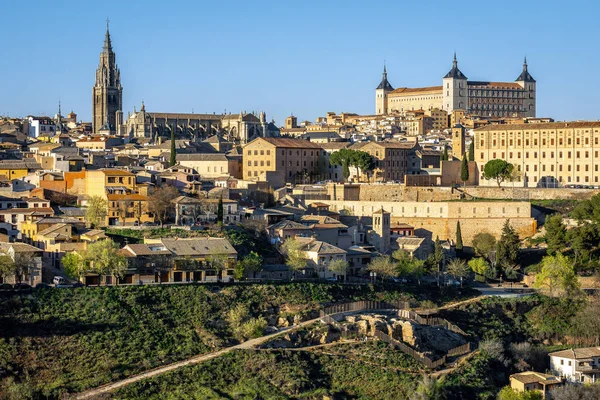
[107, 94]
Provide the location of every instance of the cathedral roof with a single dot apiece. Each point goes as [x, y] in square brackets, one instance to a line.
[384, 84]
[525, 75]
[107, 43]
[455, 73]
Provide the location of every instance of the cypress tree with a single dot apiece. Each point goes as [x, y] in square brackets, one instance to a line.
[444, 156]
[220, 210]
[472, 151]
[459, 242]
[173, 149]
[464, 170]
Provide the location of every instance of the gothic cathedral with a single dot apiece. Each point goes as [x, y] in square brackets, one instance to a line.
[107, 94]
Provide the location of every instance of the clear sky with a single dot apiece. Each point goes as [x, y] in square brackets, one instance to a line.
[303, 57]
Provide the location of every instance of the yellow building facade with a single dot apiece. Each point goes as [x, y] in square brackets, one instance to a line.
[544, 154]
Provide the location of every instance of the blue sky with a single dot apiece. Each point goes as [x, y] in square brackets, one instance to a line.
[304, 57]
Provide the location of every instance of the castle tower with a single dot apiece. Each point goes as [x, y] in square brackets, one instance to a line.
[458, 141]
[380, 237]
[381, 94]
[526, 81]
[107, 94]
[454, 89]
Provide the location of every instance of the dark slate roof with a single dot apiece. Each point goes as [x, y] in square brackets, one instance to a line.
[455, 72]
[384, 84]
[525, 75]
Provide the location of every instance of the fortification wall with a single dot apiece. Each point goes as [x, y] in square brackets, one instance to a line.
[436, 193]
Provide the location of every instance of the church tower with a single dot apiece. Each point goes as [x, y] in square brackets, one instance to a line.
[526, 81]
[107, 94]
[458, 141]
[454, 92]
[381, 94]
[380, 236]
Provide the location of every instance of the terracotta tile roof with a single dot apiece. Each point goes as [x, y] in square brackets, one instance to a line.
[199, 246]
[511, 85]
[287, 143]
[576, 354]
[319, 247]
[535, 377]
[108, 171]
[127, 197]
[428, 89]
[18, 248]
[29, 211]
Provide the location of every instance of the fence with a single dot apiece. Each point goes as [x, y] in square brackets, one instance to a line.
[404, 313]
[364, 305]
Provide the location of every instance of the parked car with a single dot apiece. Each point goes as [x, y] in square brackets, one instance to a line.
[63, 285]
[59, 280]
[22, 286]
[6, 286]
[331, 279]
[42, 286]
[399, 280]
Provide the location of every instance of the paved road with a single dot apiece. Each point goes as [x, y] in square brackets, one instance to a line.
[89, 394]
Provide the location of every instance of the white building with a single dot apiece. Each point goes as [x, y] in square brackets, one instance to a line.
[40, 126]
[577, 365]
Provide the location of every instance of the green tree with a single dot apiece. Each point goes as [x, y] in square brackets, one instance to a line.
[499, 170]
[557, 273]
[472, 151]
[507, 249]
[464, 170]
[459, 241]
[508, 393]
[428, 388]
[511, 271]
[74, 265]
[362, 160]
[96, 211]
[584, 325]
[582, 240]
[556, 233]
[339, 266]
[7, 267]
[104, 258]
[160, 202]
[437, 257]
[383, 266]
[251, 263]
[219, 262]
[292, 249]
[484, 244]
[481, 267]
[220, 210]
[407, 266]
[342, 157]
[173, 160]
[459, 269]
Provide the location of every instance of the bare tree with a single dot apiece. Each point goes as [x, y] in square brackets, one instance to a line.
[160, 202]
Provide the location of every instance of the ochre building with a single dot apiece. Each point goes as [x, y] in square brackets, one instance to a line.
[545, 154]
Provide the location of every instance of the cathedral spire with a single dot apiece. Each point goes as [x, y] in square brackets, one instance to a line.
[525, 75]
[455, 73]
[107, 43]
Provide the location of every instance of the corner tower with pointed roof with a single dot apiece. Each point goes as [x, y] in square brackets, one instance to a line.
[107, 94]
[454, 89]
[381, 93]
[526, 81]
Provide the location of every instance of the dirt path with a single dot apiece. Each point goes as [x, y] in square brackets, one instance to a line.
[249, 344]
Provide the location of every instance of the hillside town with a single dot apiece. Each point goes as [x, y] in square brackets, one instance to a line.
[461, 189]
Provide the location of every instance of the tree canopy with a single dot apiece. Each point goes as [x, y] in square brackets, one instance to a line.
[484, 244]
[292, 249]
[352, 158]
[96, 211]
[557, 273]
[102, 258]
[507, 249]
[498, 170]
[556, 233]
[464, 169]
[159, 202]
[383, 266]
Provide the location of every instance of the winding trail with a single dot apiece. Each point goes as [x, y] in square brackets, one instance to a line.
[249, 344]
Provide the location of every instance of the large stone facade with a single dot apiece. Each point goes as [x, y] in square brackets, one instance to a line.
[552, 154]
[107, 94]
[438, 219]
[495, 99]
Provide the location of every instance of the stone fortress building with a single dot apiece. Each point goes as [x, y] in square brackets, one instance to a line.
[107, 106]
[489, 99]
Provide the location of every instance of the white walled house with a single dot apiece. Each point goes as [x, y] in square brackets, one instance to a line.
[41, 126]
[577, 365]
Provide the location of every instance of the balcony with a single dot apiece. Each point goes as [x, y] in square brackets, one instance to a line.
[587, 368]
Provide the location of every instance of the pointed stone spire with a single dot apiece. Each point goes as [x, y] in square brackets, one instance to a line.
[107, 44]
[455, 62]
